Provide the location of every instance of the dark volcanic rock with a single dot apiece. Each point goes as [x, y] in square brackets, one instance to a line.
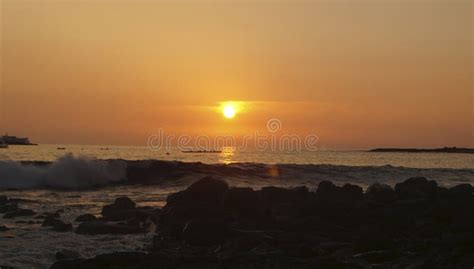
[202, 200]
[124, 203]
[208, 225]
[373, 239]
[85, 218]
[336, 202]
[49, 220]
[348, 194]
[281, 204]
[116, 210]
[67, 254]
[205, 232]
[274, 195]
[57, 224]
[125, 209]
[114, 260]
[101, 227]
[62, 227]
[381, 193]
[351, 193]
[244, 202]
[205, 190]
[416, 187]
[47, 214]
[326, 190]
[19, 213]
[463, 191]
[8, 207]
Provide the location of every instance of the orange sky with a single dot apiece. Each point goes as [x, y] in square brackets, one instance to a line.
[358, 74]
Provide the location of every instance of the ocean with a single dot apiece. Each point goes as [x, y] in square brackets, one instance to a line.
[229, 155]
[82, 179]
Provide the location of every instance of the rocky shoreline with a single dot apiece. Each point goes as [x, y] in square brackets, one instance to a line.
[417, 224]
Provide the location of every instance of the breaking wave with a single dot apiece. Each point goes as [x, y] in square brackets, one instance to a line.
[68, 172]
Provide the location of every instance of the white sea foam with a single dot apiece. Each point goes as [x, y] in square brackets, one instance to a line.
[68, 172]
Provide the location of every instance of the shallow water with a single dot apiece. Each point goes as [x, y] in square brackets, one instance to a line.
[32, 246]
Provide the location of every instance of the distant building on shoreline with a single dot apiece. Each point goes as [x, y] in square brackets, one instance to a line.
[13, 140]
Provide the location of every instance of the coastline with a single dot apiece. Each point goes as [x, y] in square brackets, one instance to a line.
[212, 225]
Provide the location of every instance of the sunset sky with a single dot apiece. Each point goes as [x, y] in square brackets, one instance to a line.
[358, 74]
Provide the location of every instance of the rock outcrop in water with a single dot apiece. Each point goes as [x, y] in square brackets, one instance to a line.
[58, 225]
[209, 225]
[121, 217]
[11, 210]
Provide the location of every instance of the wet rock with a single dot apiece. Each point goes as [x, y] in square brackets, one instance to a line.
[205, 232]
[334, 263]
[19, 213]
[244, 240]
[117, 210]
[272, 195]
[378, 256]
[57, 224]
[371, 239]
[124, 203]
[326, 190]
[113, 260]
[208, 186]
[283, 203]
[351, 193]
[46, 214]
[348, 194]
[136, 214]
[416, 187]
[59, 211]
[85, 218]
[244, 202]
[462, 191]
[202, 200]
[4, 228]
[49, 220]
[62, 227]
[335, 202]
[67, 254]
[8, 207]
[380, 193]
[101, 227]
[205, 190]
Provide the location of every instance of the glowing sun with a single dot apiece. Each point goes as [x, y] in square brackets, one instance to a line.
[229, 111]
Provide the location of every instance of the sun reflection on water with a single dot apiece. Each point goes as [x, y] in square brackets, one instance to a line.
[227, 155]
